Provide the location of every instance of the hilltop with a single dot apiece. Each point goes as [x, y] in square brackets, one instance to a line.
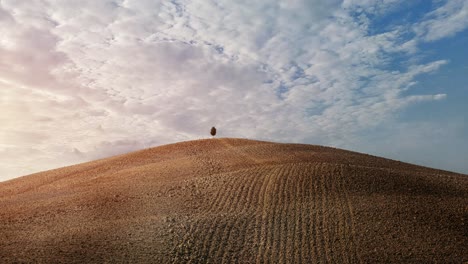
[236, 201]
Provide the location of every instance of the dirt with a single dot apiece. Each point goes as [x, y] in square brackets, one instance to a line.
[236, 201]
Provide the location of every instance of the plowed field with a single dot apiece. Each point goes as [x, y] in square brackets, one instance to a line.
[236, 201]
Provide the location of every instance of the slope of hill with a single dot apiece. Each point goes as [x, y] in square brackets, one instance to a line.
[236, 201]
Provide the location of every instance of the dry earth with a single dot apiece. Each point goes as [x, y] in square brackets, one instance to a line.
[236, 201]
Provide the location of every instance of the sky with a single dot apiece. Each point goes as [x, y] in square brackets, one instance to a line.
[83, 80]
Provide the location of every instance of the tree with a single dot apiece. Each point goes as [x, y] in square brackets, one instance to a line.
[213, 131]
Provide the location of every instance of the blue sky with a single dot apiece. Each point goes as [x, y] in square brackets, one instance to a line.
[82, 80]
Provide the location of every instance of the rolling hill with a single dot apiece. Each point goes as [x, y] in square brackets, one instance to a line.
[236, 201]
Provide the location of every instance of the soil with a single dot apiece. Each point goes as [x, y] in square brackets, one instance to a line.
[236, 201]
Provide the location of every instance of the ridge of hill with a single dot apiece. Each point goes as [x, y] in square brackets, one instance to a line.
[236, 201]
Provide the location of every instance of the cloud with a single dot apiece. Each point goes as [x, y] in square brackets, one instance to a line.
[447, 20]
[82, 80]
[379, 7]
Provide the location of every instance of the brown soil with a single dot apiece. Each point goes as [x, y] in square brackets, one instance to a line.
[236, 201]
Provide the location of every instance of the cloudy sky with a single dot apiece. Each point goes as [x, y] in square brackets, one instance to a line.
[86, 79]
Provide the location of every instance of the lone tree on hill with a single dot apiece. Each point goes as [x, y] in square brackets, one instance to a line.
[213, 131]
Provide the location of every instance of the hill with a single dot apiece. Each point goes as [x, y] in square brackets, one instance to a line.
[236, 201]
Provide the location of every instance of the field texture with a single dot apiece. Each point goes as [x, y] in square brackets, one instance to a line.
[236, 201]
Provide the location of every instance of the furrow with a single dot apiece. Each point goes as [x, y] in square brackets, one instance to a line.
[299, 209]
[213, 212]
[223, 198]
[247, 210]
[340, 223]
[221, 194]
[210, 232]
[230, 196]
[347, 230]
[220, 241]
[299, 217]
[282, 224]
[264, 237]
[261, 216]
[253, 191]
[286, 225]
[324, 215]
[214, 243]
[237, 234]
[224, 241]
[293, 199]
[351, 225]
[200, 228]
[316, 223]
[332, 216]
[240, 221]
[273, 224]
[238, 196]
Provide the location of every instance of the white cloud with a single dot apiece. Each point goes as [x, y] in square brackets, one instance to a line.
[447, 20]
[87, 79]
[372, 6]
